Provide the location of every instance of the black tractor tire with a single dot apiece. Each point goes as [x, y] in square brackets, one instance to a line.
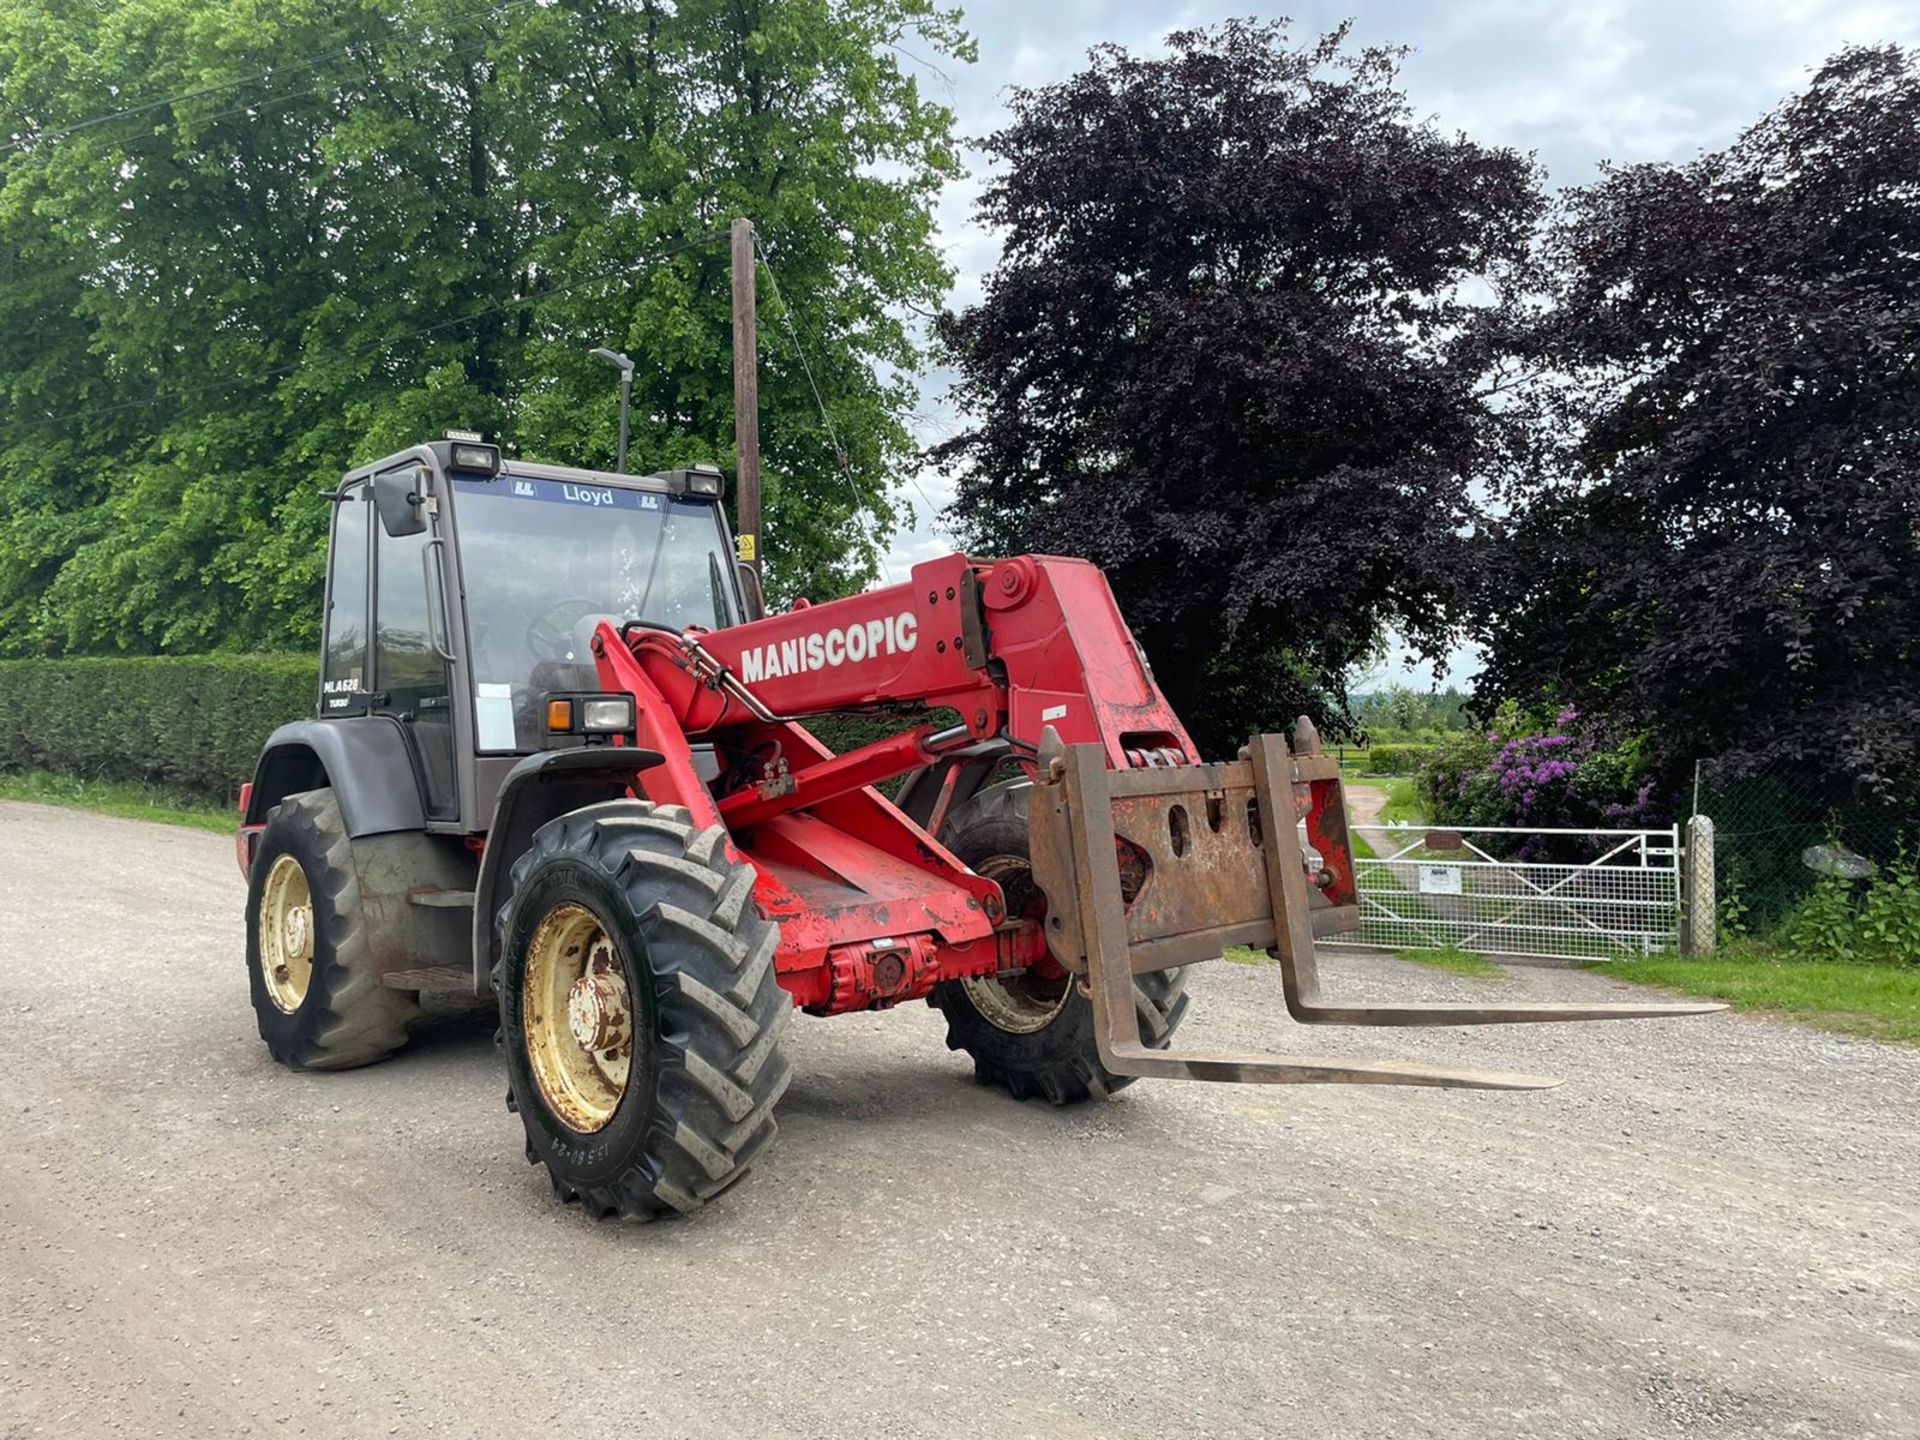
[345, 1017]
[704, 1068]
[1057, 1061]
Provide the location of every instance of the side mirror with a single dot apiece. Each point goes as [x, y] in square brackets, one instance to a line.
[756, 597]
[397, 496]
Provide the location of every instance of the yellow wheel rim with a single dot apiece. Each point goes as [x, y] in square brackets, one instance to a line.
[578, 1018]
[1027, 1003]
[286, 934]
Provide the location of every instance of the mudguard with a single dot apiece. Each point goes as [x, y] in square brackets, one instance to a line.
[365, 758]
[541, 788]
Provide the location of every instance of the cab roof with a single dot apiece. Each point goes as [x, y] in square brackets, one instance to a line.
[666, 482]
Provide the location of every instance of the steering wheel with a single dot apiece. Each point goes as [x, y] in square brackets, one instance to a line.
[550, 636]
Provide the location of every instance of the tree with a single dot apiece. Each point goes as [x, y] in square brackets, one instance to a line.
[1226, 356]
[1728, 554]
[1402, 710]
[359, 224]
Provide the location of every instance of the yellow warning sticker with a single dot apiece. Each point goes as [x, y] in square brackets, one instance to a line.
[746, 545]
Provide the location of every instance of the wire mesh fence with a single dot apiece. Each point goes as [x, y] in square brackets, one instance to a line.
[1433, 888]
[1777, 832]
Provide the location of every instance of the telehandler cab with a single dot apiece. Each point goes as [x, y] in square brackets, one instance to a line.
[557, 759]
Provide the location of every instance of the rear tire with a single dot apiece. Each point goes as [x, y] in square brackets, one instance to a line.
[1030, 1036]
[654, 1092]
[316, 990]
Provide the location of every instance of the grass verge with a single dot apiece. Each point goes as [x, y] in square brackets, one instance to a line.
[1403, 805]
[1452, 958]
[111, 797]
[1880, 1002]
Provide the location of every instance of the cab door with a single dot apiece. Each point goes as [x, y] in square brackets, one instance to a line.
[412, 664]
[344, 661]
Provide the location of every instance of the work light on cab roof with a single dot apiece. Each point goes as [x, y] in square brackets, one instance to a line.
[470, 451]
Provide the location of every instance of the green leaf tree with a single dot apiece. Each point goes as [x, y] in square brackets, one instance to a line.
[346, 226]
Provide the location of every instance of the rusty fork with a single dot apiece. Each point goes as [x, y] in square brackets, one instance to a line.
[1223, 865]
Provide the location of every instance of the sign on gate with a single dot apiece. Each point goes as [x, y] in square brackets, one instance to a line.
[1450, 889]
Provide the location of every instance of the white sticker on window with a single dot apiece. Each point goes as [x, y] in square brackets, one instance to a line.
[493, 716]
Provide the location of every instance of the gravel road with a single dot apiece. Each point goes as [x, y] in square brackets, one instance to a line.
[1712, 1228]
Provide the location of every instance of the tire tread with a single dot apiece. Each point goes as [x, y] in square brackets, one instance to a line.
[692, 924]
[350, 1018]
[1069, 1071]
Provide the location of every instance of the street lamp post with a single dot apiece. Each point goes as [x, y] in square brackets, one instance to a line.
[625, 366]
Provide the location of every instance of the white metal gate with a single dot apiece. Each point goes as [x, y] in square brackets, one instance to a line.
[1434, 888]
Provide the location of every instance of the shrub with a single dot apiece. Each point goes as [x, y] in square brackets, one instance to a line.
[1889, 925]
[1824, 927]
[1396, 759]
[1457, 785]
[1557, 773]
[1875, 920]
[196, 722]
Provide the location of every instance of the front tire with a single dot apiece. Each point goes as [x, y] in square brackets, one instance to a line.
[316, 990]
[639, 1010]
[1033, 1034]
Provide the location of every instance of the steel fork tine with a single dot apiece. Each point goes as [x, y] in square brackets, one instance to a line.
[1103, 928]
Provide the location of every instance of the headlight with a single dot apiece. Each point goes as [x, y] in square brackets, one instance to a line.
[612, 715]
[590, 715]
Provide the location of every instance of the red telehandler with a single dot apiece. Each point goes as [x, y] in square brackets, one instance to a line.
[555, 761]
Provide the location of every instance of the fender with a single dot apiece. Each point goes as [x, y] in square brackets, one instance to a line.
[365, 758]
[538, 789]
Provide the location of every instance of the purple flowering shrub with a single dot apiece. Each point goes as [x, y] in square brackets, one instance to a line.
[1556, 772]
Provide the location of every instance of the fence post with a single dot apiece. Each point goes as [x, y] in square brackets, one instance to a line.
[1700, 928]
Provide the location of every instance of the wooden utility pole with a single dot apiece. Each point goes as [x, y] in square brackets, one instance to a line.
[746, 405]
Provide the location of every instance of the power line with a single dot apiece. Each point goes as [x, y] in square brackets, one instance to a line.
[307, 63]
[826, 419]
[390, 342]
[833, 435]
[933, 510]
[799, 350]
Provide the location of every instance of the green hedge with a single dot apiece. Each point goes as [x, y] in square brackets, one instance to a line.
[1396, 759]
[196, 722]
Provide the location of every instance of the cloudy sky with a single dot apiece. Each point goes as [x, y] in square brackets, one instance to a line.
[1574, 81]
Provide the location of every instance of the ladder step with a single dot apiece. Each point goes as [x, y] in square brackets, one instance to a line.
[443, 899]
[429, 977]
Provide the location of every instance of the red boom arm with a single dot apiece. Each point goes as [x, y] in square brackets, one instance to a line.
[873, 910]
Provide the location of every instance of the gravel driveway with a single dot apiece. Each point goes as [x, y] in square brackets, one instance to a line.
[1711, 1228]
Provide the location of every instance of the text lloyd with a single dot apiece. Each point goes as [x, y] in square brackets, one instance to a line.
[587, 497]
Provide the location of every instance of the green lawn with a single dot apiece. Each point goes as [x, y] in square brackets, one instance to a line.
[1881, 1002]
[110, 797]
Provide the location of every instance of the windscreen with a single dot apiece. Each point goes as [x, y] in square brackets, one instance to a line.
[545, 561]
